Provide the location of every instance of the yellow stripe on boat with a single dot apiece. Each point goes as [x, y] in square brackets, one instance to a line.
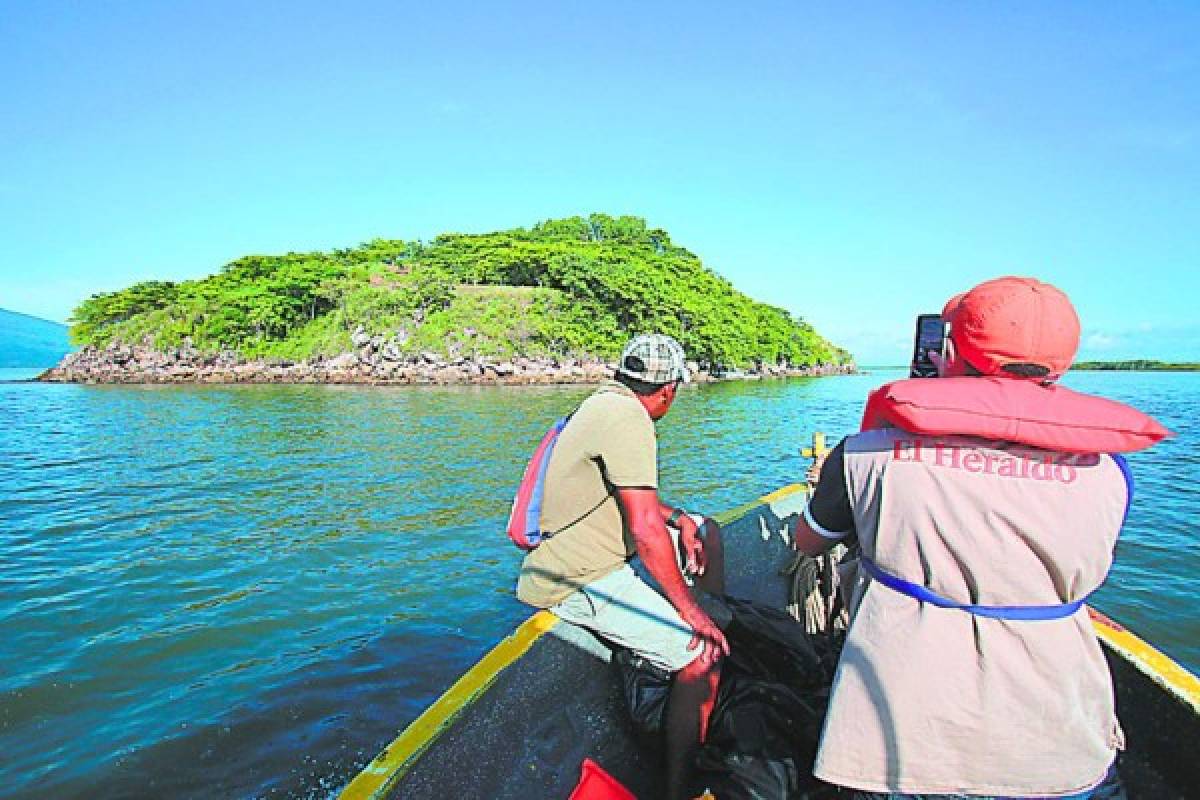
[389, 766]
[774, 497]
[1155, 664]
[378, 776]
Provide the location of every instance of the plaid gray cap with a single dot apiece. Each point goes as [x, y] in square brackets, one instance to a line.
[654, 358]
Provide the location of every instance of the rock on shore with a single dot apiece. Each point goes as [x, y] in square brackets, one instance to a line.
[371, 362]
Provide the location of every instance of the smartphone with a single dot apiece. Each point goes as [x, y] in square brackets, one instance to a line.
[931, 335]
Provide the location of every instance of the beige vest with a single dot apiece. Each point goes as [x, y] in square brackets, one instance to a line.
[932, 700]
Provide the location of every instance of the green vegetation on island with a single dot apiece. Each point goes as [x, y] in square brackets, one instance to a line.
[1139, 365]
[573, 287]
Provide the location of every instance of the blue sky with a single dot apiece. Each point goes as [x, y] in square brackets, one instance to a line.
[856, 165]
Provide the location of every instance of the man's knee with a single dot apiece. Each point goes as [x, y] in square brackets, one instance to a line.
[713, 579]
[697, 671]
[712, 539]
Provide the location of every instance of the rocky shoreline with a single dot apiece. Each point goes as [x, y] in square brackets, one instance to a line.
[372, 362]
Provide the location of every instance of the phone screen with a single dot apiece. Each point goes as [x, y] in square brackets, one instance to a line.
[931, 332]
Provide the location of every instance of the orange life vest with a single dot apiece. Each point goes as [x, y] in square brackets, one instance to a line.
[1012, 410]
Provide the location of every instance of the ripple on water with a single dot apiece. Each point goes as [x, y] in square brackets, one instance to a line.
[233, 591]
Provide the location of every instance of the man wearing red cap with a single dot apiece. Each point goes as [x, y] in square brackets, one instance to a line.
[1015, 326]
[985, 514]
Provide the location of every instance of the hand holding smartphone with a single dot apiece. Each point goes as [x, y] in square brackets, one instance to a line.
[930, 336]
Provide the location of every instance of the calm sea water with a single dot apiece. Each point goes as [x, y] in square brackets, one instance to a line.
[246, 591]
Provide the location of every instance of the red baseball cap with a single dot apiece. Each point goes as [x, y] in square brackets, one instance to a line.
[1014, 320]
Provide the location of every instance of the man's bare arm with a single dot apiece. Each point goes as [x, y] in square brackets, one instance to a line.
[829, 506]
[648, 527]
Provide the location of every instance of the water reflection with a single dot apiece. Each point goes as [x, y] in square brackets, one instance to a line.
[226, 591]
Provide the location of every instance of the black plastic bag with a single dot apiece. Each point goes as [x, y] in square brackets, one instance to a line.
[768, 643]
[771, 702]
[646, 689]
[762, 740]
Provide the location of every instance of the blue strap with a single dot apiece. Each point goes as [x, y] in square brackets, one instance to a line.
[1127, 474]
[924, 595]
[533, 513]
[921, 593]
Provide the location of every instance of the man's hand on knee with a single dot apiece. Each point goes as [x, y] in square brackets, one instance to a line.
[707, 636]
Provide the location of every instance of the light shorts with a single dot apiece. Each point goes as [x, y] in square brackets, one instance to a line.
[627, 611]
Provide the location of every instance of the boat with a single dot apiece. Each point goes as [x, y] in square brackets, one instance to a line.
[521, 721]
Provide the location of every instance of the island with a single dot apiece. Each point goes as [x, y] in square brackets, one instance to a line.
[552, 303]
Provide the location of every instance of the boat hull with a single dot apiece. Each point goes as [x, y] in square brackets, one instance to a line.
[520, 723]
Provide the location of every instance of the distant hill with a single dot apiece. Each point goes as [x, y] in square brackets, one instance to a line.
[27, 341]
[570, 287]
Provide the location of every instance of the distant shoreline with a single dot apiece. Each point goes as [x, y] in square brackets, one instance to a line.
[1137, 365]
